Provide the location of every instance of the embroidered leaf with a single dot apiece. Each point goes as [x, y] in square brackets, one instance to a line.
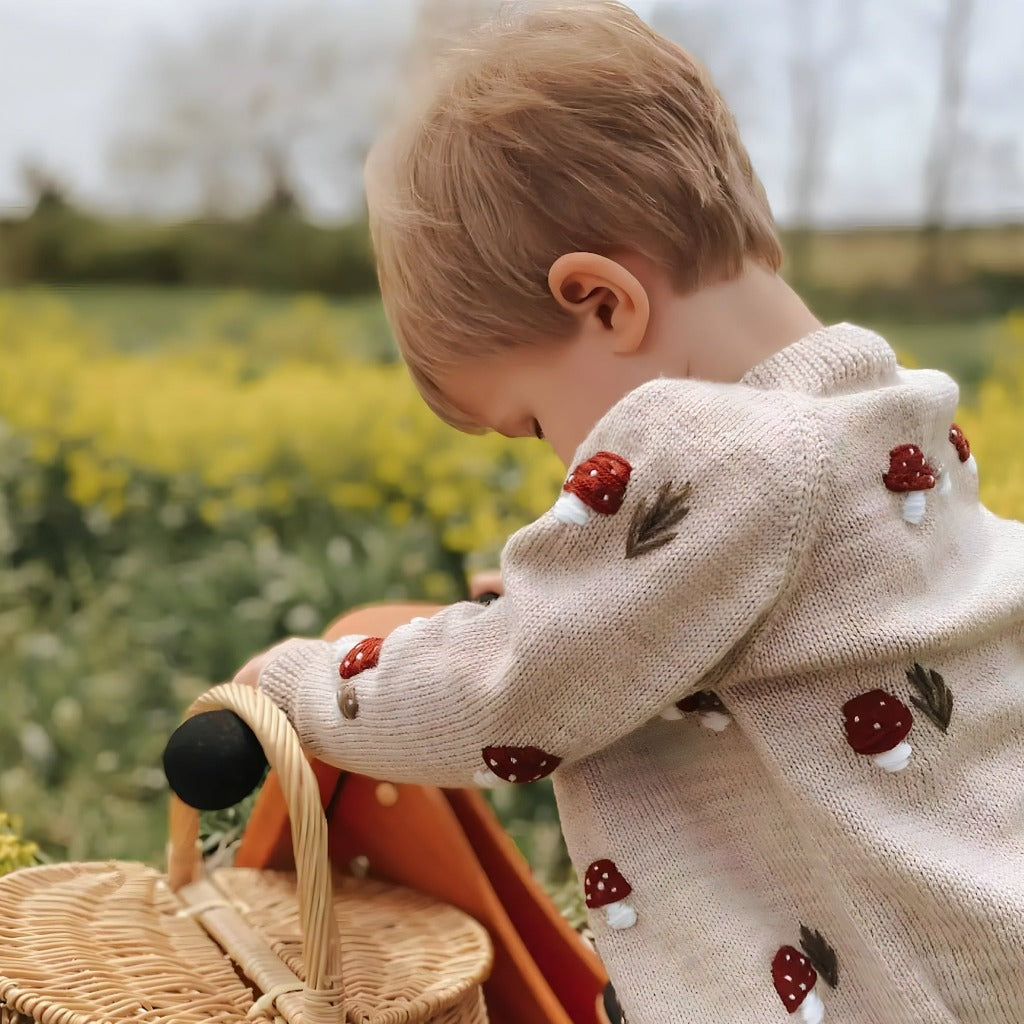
[651, 526]
[936, 699]
[821, 955]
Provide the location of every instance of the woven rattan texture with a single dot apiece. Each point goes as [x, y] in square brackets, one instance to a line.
[407, 957]
[102, 942]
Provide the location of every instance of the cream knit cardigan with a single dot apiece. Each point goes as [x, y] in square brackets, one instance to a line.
[781, 696]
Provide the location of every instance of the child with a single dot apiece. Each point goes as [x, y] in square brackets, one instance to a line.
[767, 643]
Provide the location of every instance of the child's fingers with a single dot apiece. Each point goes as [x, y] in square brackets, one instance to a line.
[249, 673]
[488, 582]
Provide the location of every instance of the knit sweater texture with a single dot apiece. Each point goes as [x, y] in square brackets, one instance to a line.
[778, 683]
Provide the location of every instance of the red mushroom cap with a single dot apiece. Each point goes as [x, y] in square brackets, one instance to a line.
[793, 977]
[876, 721]
[364, 655]
[603, 884]
[600, 482]
[908, 470]
[520, 764]
[962, 445]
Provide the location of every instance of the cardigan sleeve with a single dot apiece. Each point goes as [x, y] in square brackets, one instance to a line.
[682, 523]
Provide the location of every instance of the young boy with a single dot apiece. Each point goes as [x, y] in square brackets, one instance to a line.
[768, 528]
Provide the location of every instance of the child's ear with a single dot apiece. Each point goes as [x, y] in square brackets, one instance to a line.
[604, 296]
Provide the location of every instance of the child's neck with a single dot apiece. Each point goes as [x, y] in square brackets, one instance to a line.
[721, 331]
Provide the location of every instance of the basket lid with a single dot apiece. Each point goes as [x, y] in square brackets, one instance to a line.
[407, 956]
[107, 942]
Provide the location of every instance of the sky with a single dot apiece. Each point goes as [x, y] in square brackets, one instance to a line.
[72, 73]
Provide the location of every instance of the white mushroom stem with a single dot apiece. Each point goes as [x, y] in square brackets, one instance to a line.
[715, 720]
[569, 509]
[913, 507]
[894, 760]
[620, 915]
[972, 464]
[486, 778]
[945, 482]
[812, 1009]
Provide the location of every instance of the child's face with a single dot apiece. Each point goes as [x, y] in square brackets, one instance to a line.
[558, 390]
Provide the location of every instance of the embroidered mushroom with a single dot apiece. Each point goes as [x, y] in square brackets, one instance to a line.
[877, 725]
[794, 979]
[364, 655]
[909, 474]
[596, 485]
[711, 712]
[515, 764]
[963, 448]
[604, 887]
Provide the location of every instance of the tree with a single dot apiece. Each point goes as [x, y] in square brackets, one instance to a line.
[815, 64]
[946, 137]
[262, 105]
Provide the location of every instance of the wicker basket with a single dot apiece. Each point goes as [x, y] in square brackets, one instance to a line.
[116, 942]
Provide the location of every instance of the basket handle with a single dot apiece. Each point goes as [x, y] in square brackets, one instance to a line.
[321, 948]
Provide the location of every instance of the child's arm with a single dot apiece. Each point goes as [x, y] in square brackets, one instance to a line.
[603, 624]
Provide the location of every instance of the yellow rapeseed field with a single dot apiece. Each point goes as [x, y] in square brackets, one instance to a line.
[236, 426]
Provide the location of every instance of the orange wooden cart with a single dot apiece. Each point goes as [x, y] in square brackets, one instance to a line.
[448, 843]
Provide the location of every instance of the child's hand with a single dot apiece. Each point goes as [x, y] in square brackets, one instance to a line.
[486, 583]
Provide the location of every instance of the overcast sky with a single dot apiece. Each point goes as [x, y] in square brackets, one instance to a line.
[70, 69]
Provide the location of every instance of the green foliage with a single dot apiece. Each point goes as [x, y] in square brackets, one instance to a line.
[15, 852]
[274, 250]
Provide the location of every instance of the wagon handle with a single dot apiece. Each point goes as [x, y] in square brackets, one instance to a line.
[321, 949]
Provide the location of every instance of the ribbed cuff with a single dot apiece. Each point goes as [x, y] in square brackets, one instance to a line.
[303, 682]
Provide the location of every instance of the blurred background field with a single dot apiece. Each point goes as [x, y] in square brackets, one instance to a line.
[206, 441]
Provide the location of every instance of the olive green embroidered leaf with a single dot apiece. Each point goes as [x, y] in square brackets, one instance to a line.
[821, 954]
[936, 700]
[651, 526]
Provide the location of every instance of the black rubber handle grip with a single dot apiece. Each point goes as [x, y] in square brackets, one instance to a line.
[213, 760]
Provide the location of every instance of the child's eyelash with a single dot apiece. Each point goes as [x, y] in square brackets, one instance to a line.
[538, 431]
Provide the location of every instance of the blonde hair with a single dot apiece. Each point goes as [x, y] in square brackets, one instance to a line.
[558, 127]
